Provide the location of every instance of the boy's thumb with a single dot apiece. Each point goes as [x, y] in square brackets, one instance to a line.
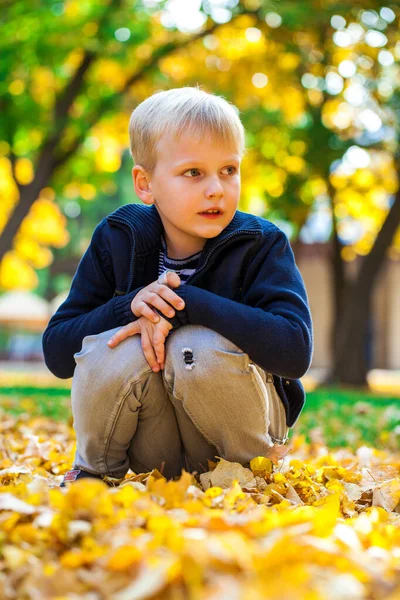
[173, 279]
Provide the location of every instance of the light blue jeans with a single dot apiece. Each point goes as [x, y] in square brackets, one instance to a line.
[210, 400]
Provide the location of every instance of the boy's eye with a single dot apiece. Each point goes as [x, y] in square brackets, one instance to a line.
[231, 169]
[192, 172]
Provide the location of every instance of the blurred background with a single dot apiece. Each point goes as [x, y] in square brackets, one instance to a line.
[317, 83]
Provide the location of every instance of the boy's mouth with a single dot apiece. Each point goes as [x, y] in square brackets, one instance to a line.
[211, 213]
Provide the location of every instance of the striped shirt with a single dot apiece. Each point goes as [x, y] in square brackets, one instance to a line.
[185, 267]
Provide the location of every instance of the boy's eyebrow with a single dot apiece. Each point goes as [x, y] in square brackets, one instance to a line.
[191, 161]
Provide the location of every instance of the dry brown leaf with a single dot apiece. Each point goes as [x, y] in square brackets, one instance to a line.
[226, 473]
[387, 495]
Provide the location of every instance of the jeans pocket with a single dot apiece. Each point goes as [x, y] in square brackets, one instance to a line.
[278, 429]
[278, 426]
[132, 402]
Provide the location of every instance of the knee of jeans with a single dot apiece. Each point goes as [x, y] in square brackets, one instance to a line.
[195, 348]
[97, 359]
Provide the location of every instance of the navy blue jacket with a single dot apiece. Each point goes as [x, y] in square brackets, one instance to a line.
[247, 287]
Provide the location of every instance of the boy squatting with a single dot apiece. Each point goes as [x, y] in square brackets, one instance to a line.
[178, 320]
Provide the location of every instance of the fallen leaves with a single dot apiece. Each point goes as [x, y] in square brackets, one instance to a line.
[306, 525]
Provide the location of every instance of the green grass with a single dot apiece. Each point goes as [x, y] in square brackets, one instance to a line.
[345, 417]
[53, 403]
[352, 418]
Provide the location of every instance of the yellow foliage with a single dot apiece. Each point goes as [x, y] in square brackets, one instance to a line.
[43, 86]
[29, 250]
[24, 171]
[4, 149]
[292, 104]
[73, 559]
[87, 191]
[288, 61]
[90, 29]
[313, 522]
[16, 87]
[123, 558]
[294, 164]
[86, 494]
[16, 274]
[261, 466]
[115, 129]
[338, 181]
[72, 8]
[329, 110]
[44, 226]
[109, 161]
[109, 72]
[74, 59]
[231, 57]
[175, 66]
[272, 100]
[348, 253]
[363, 178]
[298, 147]
[363, 195]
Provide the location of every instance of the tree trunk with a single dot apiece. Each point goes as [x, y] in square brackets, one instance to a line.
[352, 326]
[28, 195]
[350, 364]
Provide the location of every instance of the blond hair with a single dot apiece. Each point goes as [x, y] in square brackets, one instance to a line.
[177, 111]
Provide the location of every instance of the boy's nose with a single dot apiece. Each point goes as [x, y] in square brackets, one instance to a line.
[214, 189]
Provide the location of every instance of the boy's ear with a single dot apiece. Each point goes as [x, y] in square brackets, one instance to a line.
[142, 184]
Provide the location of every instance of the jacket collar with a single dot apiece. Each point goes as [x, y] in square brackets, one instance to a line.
[146, 226]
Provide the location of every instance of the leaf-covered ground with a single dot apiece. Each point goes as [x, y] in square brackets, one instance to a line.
[321, 522]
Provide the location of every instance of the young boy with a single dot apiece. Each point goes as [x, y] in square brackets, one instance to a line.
[187, 324]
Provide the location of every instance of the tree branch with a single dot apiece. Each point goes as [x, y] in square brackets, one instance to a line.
[68, 97]
[374, 260]
[48, 159]
[106, 103]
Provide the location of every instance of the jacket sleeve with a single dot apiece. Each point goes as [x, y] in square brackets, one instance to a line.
[89, 309]
[273, 324]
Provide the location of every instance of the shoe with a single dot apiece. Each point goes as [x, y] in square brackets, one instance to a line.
[74, 474]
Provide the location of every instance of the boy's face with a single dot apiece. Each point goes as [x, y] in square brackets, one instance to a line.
[191, 177]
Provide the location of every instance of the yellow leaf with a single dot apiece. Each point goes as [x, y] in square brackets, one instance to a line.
[123, 558]
[261, 466]
[24, 171]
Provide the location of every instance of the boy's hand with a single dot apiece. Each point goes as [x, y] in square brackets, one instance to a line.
[152, 338]
[158, 294]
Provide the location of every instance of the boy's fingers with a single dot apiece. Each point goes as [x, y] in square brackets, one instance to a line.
[153, 299]
[159, 347]
[145, 311]
[148, 351]
[170, 296]
[123, 333]
[160, 354]
[172, 278]
[168, 278]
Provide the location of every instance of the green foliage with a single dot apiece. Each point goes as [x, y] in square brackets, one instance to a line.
[344, 417]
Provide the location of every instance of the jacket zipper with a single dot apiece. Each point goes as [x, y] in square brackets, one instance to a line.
[125, 222]
[221, 243]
